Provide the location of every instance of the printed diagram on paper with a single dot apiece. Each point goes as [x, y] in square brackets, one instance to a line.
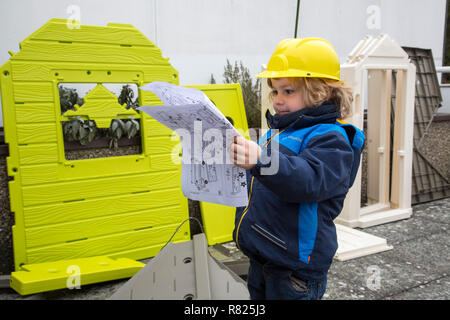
[207, 173]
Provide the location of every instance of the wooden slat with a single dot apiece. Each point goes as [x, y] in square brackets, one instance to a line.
[160, 162]
[148, 239]
[94, 208]
[103, 187]
[80, 52]
[38, 153]
[91, 34]
[111, 166]
[105, 225]
[168, 76]
[36, 133]
[38, 174]
[33, 92]
[105, 167]
[41, 277]
[31, 71]
[161, 145]
[35, 112]
[25, 70]
[156, 129]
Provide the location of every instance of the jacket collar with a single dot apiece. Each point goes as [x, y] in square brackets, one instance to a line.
[303, 118]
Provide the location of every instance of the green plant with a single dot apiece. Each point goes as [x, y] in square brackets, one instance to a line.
[68, 98]
[85, 131]
[127, 96]
[119, 128]
[212, 80]
[80, 130]
[251, 92]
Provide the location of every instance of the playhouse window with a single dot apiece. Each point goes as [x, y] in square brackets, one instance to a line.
[98, 120]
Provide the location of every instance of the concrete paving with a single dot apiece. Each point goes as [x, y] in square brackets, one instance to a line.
[417, 268]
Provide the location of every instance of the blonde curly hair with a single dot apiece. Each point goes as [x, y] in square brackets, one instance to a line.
[318, 90]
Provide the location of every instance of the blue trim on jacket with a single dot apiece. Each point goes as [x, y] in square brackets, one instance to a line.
[307, 229]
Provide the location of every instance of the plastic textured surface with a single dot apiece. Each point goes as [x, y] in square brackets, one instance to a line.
[48, 276]
[184, 271]
[218, 220]
[121, 206]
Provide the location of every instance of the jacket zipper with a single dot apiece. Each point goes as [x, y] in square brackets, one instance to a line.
[244, 213]
[251, 183]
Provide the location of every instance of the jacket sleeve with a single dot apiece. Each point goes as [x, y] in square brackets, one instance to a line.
[321, 171]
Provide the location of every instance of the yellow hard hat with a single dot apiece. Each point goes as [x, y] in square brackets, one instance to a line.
[307, 57]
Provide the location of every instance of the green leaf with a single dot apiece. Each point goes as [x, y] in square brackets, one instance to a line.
[91, 135]
[134, 128]
[122, 124]
[114, 126]
[136, 123]
[128, 125]
[132, 132]
[75, 129]
[83, 132]
[84, 141]
[118, 133]
[67, 128]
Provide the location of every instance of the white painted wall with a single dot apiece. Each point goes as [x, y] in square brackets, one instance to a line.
[414, 23]
[411, 23]
[199, 35]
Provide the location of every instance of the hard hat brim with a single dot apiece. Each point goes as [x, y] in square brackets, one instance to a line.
[293, 74]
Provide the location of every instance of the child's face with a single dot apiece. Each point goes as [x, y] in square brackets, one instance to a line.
[286, 97]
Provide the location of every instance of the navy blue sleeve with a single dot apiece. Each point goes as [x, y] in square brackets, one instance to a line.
[321, 171]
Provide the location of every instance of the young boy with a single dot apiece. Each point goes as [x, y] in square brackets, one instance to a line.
[287, 228]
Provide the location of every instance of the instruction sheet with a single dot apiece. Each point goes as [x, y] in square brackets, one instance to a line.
[207, 173]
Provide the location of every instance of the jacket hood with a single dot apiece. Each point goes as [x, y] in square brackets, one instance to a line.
[327, 112]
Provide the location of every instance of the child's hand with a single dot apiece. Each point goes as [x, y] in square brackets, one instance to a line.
[244, 153]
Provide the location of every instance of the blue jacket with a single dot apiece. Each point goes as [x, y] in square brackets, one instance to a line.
[289, 218]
